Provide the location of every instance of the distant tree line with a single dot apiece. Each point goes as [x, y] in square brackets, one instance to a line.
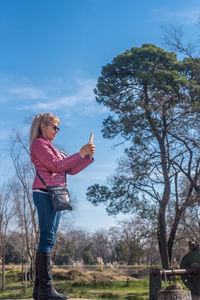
[131, 242]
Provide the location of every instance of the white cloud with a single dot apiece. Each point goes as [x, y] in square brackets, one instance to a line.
[12, 88]
[92, 108]
[186, 16]
[74, 97]
[83, 95]
[28, 92]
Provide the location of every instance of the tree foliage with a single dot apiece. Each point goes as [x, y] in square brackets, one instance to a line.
[153, 101]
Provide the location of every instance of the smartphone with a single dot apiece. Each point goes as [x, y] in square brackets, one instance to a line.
[91, 139]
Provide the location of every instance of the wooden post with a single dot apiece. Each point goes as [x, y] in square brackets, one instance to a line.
[174, 292]
[154, 283]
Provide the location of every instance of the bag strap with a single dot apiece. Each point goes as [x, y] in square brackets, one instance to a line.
[41, 178]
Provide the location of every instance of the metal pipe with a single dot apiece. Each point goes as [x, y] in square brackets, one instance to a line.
[176, 272]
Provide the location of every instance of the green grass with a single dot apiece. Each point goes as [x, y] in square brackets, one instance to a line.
[81, 284]
[137, 290]
[106, 289]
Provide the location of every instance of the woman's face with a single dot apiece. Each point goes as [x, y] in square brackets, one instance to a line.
[49, 131]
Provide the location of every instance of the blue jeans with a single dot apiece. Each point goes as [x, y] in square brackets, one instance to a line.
[48, 221]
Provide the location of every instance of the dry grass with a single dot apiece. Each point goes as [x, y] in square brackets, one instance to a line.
[85, 282]
[89, 273]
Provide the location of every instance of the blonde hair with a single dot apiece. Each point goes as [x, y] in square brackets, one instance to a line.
[35, 130]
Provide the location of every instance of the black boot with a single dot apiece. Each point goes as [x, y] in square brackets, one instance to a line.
[46, 290]
[36, 283]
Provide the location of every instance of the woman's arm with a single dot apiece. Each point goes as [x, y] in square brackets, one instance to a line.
[85, 161]
[72, 164]
[41, 151]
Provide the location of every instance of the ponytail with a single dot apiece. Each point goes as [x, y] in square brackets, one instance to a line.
[35, 130]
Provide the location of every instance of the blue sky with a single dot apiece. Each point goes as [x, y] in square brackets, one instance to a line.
[51, 55]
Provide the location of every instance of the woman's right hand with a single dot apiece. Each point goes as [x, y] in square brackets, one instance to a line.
[87, 149]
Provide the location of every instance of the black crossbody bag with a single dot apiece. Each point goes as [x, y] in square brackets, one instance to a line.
[59, 196]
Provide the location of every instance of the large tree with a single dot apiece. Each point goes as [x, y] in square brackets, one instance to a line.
[154, 101]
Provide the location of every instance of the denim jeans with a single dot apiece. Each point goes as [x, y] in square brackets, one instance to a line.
[48, 221]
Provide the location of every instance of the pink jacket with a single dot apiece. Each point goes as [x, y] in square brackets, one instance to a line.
[52, 164]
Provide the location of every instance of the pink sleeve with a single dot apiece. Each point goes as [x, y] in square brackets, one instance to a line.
[72, 164]
[85, 161]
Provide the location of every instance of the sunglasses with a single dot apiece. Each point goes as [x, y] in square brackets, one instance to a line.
[55, 128]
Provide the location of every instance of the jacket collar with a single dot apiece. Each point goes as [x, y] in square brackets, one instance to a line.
[49, 141]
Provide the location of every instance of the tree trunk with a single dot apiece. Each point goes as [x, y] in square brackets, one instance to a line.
[174, 292]
[3, 274]
[172, 235]
[22, 272]
[162, 238]
[178, 214]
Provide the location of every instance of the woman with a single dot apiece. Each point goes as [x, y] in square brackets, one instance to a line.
[52, 165]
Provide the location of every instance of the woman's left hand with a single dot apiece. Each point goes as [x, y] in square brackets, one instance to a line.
[91, 149]
[87, 149]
